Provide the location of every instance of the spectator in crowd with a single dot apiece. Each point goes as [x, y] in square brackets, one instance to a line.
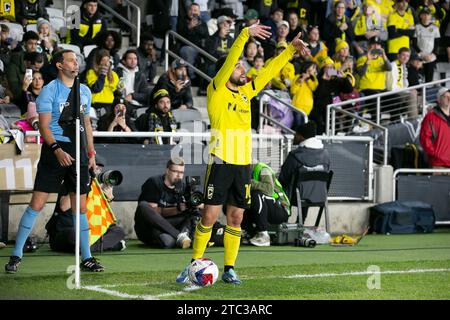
[29, 123]
[445, 28]
[6, 44]
[319, 51]
[91, 24]
[5, 92]
[147, 58]
[158, 118]
[282, 31]
[270, 205]
[235, 6]
[372, 69]
[195, 30]
[162, 216]
[401, 28]
[102, 81]
[109, 40]
[165, 15]
[368, 25]
[302, 90]
[176, 81]
[252, 48]
[276, 16]
[205, 10]
[426, 42]
[435, 132]
[29, 11]
[310, 155]
[116, 121]
[337, 26]
[258, 64]
[294, 26]
[399, 80]
[132, 82]
[31, 88]
[15, 74]
[342, 52]
[416, 75]
[264, 9]
[250, 18]
[49, 70]
[218, 45]
[332, 83]
[49, 39]
[283, 80]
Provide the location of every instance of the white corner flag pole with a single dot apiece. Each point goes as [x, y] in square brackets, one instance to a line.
[77, 213]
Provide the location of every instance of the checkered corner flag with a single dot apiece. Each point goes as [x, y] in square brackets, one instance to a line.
[99, 214]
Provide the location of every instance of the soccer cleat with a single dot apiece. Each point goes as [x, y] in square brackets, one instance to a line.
[261, 239]
[231, 277]
[91, 264]
[183, 277]
[183, 240]
[13, 264]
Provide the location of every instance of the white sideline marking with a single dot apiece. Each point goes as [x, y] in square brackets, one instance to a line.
[361, 273]
[103, 288]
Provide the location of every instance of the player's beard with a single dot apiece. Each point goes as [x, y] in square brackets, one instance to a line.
[238, 82]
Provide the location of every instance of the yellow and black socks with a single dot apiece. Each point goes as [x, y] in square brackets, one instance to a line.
[231, 243]
[201, 239]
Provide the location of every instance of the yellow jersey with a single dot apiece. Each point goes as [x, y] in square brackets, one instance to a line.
[229, 111]
[375, 77]
[399, 22]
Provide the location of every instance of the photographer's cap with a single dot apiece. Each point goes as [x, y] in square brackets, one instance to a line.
[179, 63]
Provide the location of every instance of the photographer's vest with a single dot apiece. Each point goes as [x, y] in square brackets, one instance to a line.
[7, 10]
[276, 195]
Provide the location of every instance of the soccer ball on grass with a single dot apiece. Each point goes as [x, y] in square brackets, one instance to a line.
[203, 272]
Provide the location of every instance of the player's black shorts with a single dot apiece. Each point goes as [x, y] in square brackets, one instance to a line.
[50, 174]
[228, 184]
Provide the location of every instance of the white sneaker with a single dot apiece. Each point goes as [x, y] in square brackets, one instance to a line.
[261, 239]
[183, 240]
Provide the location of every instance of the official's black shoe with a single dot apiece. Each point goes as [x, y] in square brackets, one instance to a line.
[91, 264]
[13, 264]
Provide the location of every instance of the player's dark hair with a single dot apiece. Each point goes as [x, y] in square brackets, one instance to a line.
[59, 56]
[33, 57]
[30, 35]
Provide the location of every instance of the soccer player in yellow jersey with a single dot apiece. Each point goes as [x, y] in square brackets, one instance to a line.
[228, 175]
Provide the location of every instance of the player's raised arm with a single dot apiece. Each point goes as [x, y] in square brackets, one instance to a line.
[274, 67]
[256, 30]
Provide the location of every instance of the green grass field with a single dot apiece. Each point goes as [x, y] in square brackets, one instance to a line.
[411, 267]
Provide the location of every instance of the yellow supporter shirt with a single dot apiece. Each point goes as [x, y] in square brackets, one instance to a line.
[303, 94]
[399, 22]
[107, 93]
[229, 110]
[375, 77]
[284, 78]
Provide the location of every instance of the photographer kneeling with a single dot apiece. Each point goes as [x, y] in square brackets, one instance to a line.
[163, 216]
[60, 227]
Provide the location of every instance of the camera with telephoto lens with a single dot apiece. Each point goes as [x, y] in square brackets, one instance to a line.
[193, 193]
[111, 177]
[305, 242]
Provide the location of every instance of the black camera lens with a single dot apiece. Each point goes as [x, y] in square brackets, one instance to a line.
[305, 242]
[111, 177]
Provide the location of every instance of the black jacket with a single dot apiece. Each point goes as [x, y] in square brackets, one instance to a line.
[142, 89]
[154, 121]
[96, 25]
[29, 11]
[176, 98]
[304, 159]
[195, 35]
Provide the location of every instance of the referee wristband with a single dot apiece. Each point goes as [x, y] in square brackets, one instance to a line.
[55, 146]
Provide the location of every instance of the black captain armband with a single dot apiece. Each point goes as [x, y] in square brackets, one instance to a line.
[55, 146]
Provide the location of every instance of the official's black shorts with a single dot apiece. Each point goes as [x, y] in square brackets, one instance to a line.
[228, 184]
[50, 174]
